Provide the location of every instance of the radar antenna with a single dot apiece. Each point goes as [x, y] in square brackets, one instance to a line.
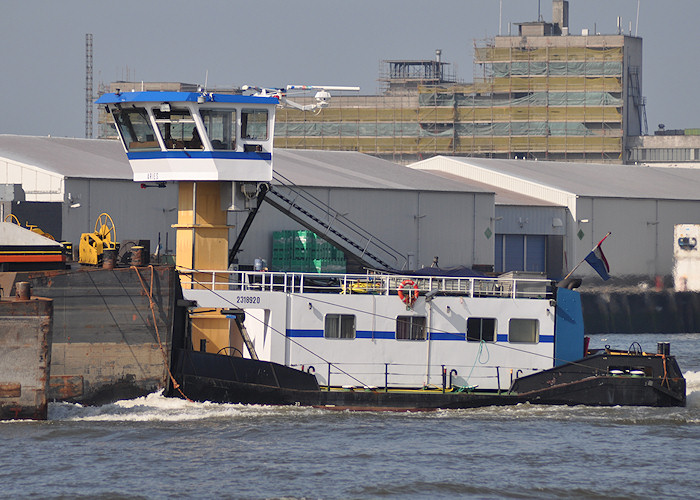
[323, 96]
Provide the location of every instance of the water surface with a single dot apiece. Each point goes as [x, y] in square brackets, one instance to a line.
[155, 447]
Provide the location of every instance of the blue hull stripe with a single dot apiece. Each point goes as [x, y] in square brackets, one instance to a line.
[361, 334]
[544, 339]
[366, 334]
[375, 335]
[447, 336]
[305, 333]
[225, 155]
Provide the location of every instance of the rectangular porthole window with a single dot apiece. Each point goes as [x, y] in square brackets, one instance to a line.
[479, 329]
[177, 128]
[221, 128]
[410, 328]
[523, 331]
[254, 124]
[136, 129]
[339, 326]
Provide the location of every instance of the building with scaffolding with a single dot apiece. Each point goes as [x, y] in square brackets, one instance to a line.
[540, 94]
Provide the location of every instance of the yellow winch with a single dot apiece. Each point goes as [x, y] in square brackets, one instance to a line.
[93, 245]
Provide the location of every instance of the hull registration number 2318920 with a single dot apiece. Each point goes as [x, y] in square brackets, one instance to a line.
[247, 299]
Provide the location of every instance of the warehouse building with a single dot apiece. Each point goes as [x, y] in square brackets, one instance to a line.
[528, 233]
[638, 205]
[63, 185]
[489, 214]
[541, 92]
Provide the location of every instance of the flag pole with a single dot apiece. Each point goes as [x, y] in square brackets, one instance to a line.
[582, 260]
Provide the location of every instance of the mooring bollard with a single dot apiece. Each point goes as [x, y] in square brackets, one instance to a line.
[23, 290]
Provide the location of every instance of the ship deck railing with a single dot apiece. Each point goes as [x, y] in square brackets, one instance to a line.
[403, 376]
[366, 284]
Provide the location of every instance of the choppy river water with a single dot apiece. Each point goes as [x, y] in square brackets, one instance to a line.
[155, 447]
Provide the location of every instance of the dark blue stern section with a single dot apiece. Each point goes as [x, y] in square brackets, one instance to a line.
[568, 328]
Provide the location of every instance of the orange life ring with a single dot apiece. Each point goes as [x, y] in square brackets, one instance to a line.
[412, 295]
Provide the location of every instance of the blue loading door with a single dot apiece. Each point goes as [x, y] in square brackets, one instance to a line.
[568, 327]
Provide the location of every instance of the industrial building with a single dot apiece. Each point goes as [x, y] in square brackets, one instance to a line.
[666, 148]
[639, 205]
[541, 93]
[490, 214]
[63, 185]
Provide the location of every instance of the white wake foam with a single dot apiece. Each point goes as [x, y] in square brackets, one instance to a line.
[156, 407]
[692, 388]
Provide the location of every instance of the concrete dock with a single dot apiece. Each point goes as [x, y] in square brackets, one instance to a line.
[25, 357]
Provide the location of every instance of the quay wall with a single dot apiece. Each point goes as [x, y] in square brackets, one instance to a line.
[109, 342]
[640, 311]
[25, 352]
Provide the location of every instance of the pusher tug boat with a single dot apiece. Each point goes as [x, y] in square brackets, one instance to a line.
[413, 343]
[386, 339]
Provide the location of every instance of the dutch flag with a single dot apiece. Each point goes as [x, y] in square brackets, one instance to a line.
[596, 258]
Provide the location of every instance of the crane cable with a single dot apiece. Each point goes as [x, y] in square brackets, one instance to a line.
[149, 294]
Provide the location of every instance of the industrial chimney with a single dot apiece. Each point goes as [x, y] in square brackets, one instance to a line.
[560, 15]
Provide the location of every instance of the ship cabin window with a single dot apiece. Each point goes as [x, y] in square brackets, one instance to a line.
[339, 326]
[481, 329]
[410, 328]
[177, 128]
[221, 128]
[135, 129]
[523, 331]
[254, 124]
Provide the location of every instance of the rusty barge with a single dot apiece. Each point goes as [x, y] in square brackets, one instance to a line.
[112, 329]
[25, 355]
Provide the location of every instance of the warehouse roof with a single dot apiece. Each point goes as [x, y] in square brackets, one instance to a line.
[582, 179]
[105, 159]
[90, 158]
[357, 170]
[503, 196]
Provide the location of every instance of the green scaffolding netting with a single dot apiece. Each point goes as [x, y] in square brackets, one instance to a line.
[533, 99]
[405, 129]
[557, 68]
[368, 129]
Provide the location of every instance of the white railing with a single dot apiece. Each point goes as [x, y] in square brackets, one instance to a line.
[407, 375]
[375, 284]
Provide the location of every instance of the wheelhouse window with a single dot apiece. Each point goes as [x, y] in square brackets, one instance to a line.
[479, 329]
[254, 124]
[339, 326]
[221, 128]
[410, 328]
[177, 128]
[135, 129]
[523, 331]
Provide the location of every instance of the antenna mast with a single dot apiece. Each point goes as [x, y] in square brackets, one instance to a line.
[88, 86]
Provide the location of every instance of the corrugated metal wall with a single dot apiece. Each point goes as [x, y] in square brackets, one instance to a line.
[137, 213]
[423, 224]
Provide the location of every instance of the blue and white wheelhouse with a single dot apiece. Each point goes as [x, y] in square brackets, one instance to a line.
[194, 136]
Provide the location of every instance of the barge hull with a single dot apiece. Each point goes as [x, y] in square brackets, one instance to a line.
[107, 342]
[25, 352]
[226, 379]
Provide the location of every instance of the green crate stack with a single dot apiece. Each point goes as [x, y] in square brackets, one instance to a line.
[328, 258]
[304, 252]
[304, 245]
[330, 266]
[282, 250]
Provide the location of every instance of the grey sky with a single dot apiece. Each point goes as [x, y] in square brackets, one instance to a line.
[273, 43]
